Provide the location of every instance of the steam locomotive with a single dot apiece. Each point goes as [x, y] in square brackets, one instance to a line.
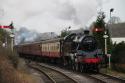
[75, 51]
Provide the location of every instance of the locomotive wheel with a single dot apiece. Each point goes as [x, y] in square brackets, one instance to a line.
[77, 65]
[73, 66]
[97, 68]
[85, 68]
[81, 67]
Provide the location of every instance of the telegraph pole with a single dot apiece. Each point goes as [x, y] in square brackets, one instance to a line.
[106, 53]
[12, 40]
[12, 35]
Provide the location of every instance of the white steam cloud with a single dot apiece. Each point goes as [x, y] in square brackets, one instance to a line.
[48, 15]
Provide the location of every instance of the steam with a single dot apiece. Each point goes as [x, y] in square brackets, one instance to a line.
[100, 3]
[23, 35]
[52, 15]
[40, 16]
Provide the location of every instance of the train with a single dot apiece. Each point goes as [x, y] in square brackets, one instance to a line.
[77, 51]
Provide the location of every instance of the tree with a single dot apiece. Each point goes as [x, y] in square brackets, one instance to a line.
[114, 20]
[65, 32]
[4, 37]
[99, 29]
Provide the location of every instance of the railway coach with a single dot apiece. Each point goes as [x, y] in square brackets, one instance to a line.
[48, 50]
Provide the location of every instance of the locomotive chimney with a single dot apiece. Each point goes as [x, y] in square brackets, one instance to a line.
[86, 32]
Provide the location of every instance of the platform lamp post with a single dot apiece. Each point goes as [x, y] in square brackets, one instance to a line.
[106, 53]
[105, 37]
[111, 10]
[110, 22]
[67, 29]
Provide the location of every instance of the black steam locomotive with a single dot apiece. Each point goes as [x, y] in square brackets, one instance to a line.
[76, 51]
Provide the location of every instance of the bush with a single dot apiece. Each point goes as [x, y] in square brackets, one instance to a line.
[118, 57]
[118, 53]
[11, 56]
[8, 71]
[119, 67]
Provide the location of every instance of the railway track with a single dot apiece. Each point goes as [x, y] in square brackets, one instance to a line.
[102, 78]
[54, 76]
[107, 78]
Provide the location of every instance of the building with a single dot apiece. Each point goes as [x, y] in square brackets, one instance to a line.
[117, 32]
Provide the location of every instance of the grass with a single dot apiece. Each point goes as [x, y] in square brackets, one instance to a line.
[9, 72]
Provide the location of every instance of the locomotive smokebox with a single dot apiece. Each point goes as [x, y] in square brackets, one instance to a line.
[86, 32]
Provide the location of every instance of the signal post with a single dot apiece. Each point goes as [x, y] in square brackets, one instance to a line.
[109, 55]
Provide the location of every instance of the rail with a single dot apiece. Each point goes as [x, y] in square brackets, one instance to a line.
[54, 75]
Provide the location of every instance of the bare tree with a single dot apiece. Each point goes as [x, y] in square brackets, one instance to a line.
[114, 20]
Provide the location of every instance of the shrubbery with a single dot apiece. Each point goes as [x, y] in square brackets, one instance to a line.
[118, 53]
[118, 57]
[9, 72]
[11, 56]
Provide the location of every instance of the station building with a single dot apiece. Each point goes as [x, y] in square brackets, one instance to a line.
[117, 32]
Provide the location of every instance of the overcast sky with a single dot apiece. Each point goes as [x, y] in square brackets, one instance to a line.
[55, 15]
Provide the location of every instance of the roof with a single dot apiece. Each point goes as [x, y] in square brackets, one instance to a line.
[81, 30]
[43, 41]
[117, 30]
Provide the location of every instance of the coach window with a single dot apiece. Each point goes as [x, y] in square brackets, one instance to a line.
[47, 48]
[43, 48]
[50, 47]
[53, 48]
[57, 46]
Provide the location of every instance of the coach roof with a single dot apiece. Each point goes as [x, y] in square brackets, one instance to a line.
[43, 41]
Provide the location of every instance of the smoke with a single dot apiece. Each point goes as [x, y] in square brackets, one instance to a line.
[23, 35]
[100, 3]
[1, 12]
[52, 15]
[46, 16]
